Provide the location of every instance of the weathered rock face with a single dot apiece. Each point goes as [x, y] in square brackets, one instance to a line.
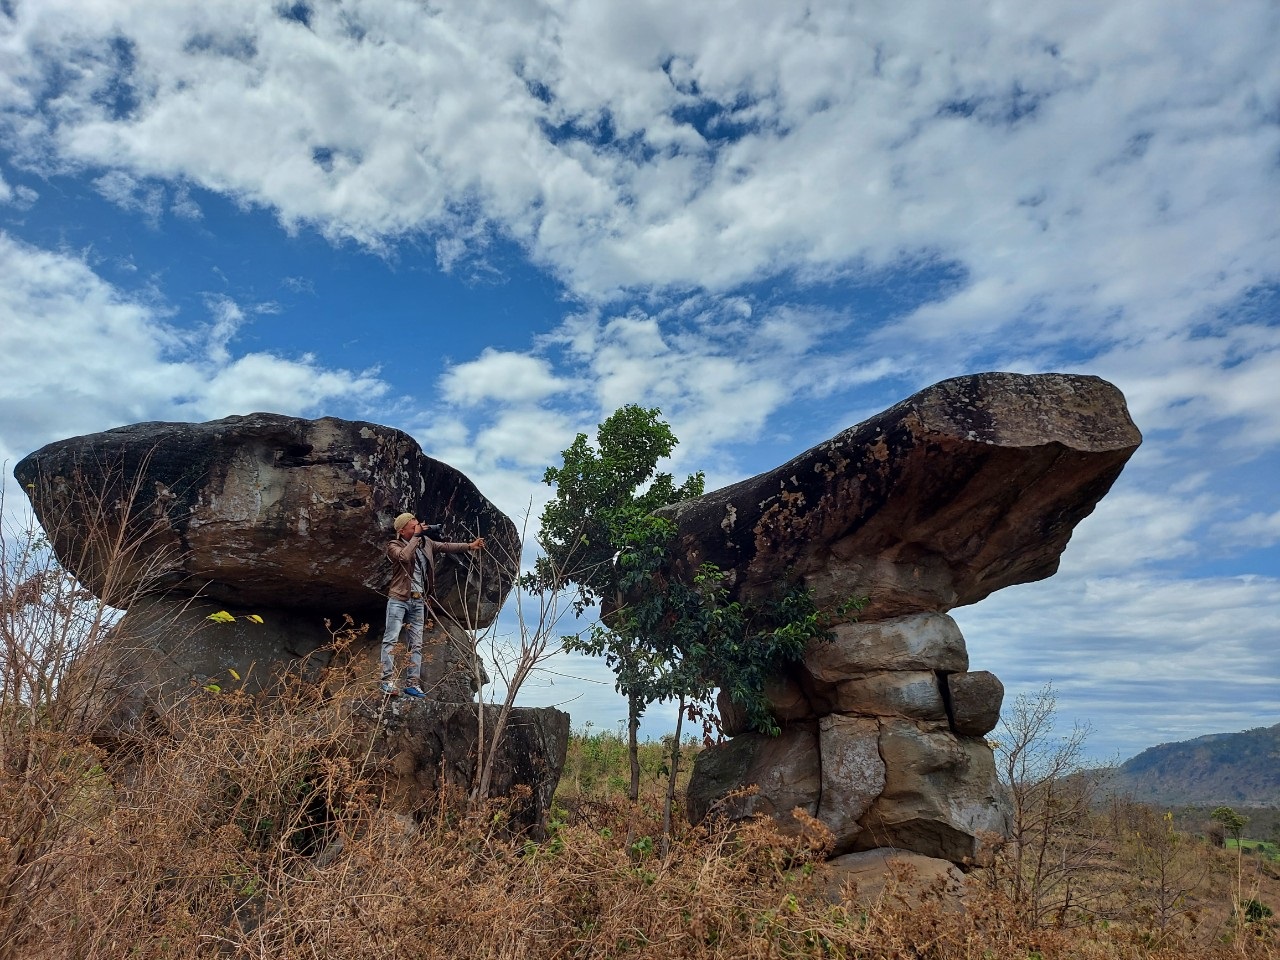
[170, 644]
[267, 510]
[425, 747]
[867, 876]
[279, 525]
[969, 486]
[278, 517]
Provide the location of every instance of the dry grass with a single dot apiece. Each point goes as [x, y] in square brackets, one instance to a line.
[244, 834]
[245, 828]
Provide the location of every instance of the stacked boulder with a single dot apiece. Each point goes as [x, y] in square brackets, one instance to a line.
[971, 485]
[280, 522]
[239, 548]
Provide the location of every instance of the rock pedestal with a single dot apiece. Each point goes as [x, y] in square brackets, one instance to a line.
[969, 486]
[426, 748]
[276, 517]
[240, 547]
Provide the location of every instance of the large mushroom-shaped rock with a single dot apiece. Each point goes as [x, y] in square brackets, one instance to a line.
[971, 485]
[280, 523]
[261, 509]
[239, 549]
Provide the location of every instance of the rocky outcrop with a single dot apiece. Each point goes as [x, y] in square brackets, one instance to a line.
[971, 485]
[909, 878]
[251, 548]
[277, 517]
[261, 510]
[425, 748]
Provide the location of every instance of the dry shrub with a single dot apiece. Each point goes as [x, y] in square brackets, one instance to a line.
[248, 827]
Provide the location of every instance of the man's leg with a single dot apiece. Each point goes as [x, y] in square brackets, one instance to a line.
[413, 619]
[396, 610]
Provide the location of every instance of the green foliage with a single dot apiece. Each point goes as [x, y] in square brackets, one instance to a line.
[604, 495]
[705, 639]
[597, 527]
[1232, 822]
[663, 637]
[1255, 911]
[1261, 848]
[596, 764]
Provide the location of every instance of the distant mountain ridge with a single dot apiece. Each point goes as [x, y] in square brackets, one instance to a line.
[1240, 769]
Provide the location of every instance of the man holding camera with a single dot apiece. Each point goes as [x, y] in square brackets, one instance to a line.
[413, 580]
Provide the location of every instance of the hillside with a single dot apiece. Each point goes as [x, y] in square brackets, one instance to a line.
[1241, 769]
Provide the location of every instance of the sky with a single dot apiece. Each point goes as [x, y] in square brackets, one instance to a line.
[490, 224]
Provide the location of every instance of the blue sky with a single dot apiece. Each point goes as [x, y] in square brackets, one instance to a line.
[490, 224]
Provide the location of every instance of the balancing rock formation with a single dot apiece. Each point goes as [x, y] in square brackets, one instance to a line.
[969, 486]
[277, 517]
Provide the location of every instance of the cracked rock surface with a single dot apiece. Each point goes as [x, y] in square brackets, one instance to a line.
[969, 486]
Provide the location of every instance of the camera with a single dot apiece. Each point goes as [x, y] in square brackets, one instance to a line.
[434, 531]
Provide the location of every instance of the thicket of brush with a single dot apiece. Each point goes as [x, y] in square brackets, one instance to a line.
[241, 827]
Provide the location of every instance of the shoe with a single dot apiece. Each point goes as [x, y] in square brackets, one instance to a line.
[389, 689]
[413, 692]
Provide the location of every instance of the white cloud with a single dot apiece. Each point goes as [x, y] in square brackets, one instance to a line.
[499, 374]
[1135, 526]
[1056, 154]
[77, 356]
[1156, 659]
[263, 382]
[529, 438]
[184, 205]
[227, 318]
[128, 193]
[1255, 530]
[1092, 198]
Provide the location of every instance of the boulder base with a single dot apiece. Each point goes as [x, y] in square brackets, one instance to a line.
[786, 769]
[870, 875]
[969, 486]
[425, 747]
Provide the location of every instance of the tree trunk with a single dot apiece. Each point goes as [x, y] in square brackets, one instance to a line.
[633, 746]
[671, 782]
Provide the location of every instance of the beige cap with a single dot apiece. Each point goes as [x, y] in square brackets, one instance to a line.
[402, 520]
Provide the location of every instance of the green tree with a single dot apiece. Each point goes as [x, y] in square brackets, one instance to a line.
[1232, 822]
[599, 527]
[666, 637]
[1233, 825]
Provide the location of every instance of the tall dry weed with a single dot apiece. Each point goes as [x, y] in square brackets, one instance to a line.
[249, 827]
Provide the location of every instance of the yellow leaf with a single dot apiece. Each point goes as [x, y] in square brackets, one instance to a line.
[254, 617]
[213, 688]
[221, 617]
[234, 675]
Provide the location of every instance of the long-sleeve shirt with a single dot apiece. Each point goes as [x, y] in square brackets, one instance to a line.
[403, 552]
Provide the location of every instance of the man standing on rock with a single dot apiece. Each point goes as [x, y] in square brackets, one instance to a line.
[413, 579]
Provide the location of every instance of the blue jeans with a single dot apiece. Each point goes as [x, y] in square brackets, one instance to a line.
[400, 613]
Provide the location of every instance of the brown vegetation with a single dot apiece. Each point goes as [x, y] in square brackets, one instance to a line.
[237, 828]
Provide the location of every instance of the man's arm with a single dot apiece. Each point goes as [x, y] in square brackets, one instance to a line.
[475, 546]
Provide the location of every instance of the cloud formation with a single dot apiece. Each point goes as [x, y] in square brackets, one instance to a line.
[78, 356]
[702, 146]
[770, 220]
